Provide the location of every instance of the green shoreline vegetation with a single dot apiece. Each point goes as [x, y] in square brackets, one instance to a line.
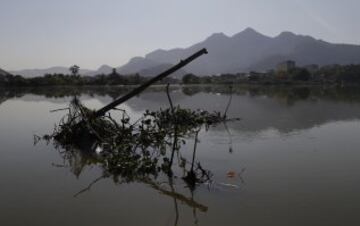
[333, 74]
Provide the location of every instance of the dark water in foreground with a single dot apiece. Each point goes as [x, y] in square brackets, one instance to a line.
[295, 155]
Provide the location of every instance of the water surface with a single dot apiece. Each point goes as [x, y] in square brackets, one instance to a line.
[295, 155]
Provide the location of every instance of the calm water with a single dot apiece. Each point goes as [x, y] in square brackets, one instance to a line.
[295, 153]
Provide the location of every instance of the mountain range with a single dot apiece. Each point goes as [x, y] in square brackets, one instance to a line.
[245, 51]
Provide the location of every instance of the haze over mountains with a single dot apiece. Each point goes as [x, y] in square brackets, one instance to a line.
[245, 51]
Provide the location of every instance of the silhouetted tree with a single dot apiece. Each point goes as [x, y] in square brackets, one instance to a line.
[190, 79]
[74, 70]
[114, 72]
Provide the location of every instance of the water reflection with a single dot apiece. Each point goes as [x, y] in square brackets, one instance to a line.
[124, 170]
[288, 95]
[276, 102]
[285, 109]
[141, 152]
[290, 179]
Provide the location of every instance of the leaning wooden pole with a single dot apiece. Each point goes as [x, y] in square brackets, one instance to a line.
[141, 88]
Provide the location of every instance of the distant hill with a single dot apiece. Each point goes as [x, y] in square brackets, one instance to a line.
[251, 50]
[153, 71]
[137, 64]
[104, 69]
[245, 51]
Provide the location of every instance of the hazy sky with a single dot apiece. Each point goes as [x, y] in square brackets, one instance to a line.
[45, 33]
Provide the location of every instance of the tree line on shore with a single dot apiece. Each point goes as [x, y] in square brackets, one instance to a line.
[334, 74]
[75, 79]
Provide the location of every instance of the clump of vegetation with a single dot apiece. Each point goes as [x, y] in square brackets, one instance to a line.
[151, 129]
[136, 149]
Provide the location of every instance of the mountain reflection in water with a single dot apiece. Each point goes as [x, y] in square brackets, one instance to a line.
[262, 107]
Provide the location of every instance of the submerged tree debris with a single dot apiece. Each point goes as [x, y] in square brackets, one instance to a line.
[136, 150]
[145, 146]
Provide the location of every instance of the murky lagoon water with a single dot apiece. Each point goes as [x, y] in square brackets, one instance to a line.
[295, 155]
